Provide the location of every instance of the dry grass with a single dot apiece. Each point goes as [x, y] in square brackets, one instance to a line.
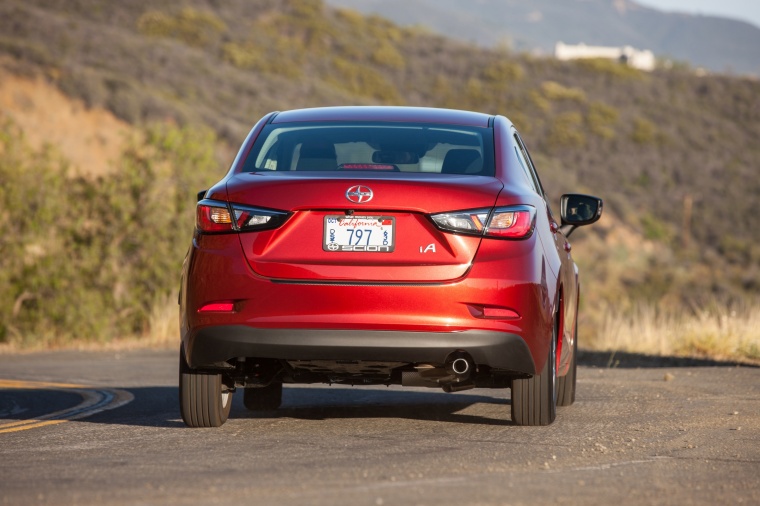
[162, 334]
[714, 331]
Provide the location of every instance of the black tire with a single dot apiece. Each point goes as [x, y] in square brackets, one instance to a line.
[534, 399]
[204, 401]
[566, 383]
[266, 398]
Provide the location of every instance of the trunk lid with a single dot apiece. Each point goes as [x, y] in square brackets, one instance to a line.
[311, 245]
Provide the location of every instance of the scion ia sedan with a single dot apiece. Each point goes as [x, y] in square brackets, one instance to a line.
[380, 246]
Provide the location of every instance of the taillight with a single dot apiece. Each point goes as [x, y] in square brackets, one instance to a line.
[465, 222]
[215, 216]
[513, 222]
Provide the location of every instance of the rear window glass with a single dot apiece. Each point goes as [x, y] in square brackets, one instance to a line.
[382, 147]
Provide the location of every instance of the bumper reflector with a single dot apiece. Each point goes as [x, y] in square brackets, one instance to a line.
[498, 312]
[224, 306]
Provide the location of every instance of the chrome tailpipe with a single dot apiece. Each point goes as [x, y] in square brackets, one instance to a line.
[460, 366]
[454, 376]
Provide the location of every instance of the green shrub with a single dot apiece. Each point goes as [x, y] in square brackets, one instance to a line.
[611, 68]
[193, 27]
[566, 130]
[242, 56]
[540, 101]
[656, 229]
[87, 258]
[476, 94]
[387, 55]
[601, 119]
[279, 59]
[503, 72]
[362, 80]
[26, 50]
[644, 131]
[555, 91]
[308, 9]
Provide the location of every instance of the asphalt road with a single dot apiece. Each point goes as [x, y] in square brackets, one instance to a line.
[105, 429]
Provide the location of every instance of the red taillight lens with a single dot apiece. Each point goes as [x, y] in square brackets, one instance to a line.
[213, 218]
[512, 222]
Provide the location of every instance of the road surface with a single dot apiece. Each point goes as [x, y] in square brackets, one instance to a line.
[104, 428]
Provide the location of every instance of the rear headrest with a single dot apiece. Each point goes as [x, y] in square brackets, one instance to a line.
[462, 161]
[317, 156]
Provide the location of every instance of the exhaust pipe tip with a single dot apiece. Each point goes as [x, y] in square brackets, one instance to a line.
[460, 366]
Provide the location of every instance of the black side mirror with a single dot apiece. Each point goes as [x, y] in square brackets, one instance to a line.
[201, 195]
[577, 210]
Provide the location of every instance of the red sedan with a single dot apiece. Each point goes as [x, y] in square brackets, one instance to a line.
[380, 245]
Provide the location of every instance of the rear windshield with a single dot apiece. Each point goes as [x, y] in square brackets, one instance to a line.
[380, 147]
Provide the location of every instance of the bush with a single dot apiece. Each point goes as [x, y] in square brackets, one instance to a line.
[388, 56]
[555, 91]
[88, 258]
[362, 80]
[191, 26]
[566, 130]
[242, 56]
[503, 72]
[601, 119]
[656, 229]
[27, 51]
[611, 68]
[644, 131]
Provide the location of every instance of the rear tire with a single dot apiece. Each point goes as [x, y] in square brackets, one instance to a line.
[204, 400]
[266, 398]
[534, 399]
[566, 384]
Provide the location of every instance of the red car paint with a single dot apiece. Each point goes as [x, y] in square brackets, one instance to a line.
[282, 298]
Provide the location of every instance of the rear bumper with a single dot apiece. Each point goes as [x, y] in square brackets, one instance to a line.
[212, 347]
[394, 322]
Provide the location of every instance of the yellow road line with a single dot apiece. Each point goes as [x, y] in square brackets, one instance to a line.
[39, 423]
[31, 385]
[93, 401]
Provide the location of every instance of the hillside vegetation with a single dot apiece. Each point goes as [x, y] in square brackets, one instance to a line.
[675, 156]
[717, 43]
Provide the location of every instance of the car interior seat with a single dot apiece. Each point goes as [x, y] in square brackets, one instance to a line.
[317, 156]
[462, 161]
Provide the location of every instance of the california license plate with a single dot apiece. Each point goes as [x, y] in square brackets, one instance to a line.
[374, 234]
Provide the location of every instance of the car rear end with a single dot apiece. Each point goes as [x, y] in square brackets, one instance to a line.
[366, 250]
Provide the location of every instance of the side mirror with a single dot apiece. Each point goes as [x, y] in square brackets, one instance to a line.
[201, 195]
[577, 210]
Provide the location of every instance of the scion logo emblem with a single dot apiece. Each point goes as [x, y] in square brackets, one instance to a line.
[359, 194]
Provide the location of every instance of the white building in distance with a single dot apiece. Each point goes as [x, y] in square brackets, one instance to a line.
[642, 60]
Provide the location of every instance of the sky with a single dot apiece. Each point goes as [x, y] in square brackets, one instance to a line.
[744, 10]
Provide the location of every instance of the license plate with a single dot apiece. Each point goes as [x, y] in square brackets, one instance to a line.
[375, 234]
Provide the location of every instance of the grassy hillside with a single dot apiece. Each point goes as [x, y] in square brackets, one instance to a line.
[675, 156]
[716, 43]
